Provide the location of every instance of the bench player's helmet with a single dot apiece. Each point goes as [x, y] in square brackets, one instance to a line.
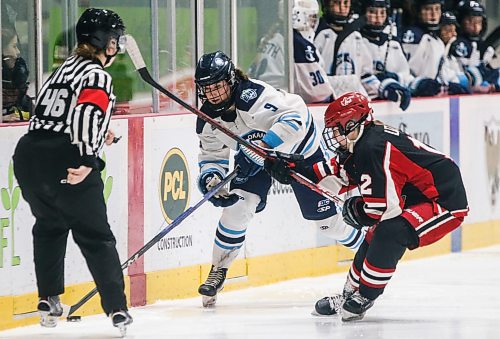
[375, 29]
[98, 26]
[343, 116]
[468, 8]
[211, 69]
[332, 17]
[430, 25]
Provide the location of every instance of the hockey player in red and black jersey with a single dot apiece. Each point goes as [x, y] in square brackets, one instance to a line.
[57, 165]
[411, 196]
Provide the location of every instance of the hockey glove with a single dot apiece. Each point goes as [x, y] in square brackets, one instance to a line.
[397, 93]
[387, 75]
[426, 87]
[354, 214]
[279, 169]
[455, 88]
[250, 163]
[208, 180]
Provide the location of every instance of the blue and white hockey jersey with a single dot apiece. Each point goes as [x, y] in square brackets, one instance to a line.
[282, 120]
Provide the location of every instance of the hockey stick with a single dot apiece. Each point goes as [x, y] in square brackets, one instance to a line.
[139, 64]
[69, 310]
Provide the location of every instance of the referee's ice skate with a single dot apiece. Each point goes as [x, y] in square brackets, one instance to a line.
[121, 319]
[50, 310]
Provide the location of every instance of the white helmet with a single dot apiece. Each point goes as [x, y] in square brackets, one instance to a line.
[305, 14]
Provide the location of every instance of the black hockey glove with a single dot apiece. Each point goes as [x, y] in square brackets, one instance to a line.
[208, 180]
[455, 88]
[279, 169]
[426, 87]
[397, 93]
[353, 213]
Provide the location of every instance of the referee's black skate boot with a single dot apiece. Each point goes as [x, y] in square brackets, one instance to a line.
[121, 319]
[355, 307]
[50, 310]
[212, 286]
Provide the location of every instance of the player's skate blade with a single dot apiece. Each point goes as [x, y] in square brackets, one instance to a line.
[208, 301]
[355, 307]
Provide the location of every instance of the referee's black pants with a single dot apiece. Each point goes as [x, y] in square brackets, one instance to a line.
[40, 163]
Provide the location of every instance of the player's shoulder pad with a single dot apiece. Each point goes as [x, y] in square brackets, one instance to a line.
[461, 48]
[304, 52]
[200, 123]
[246, 94]
[412, 35]
[322, 25]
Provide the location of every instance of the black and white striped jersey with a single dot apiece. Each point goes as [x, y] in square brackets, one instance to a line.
[77, 99]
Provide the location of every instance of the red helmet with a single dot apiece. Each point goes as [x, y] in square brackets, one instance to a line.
[351, 106]
[345, 114]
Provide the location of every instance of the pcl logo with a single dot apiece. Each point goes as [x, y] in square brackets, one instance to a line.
[174, 184]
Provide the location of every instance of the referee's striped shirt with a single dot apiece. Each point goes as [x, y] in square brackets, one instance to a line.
[77, 99]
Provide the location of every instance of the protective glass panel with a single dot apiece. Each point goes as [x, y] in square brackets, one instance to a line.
[18, 59]
[263, 41]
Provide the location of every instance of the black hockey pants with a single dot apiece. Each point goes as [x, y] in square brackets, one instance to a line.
[40, 163]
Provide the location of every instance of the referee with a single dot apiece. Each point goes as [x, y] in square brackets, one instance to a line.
[58, 168]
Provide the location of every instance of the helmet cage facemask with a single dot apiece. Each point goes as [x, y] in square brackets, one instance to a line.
[230, 91]
[335, 143]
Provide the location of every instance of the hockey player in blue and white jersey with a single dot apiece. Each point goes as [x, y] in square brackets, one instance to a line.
[272, 119]
[426, 54]
[471, 50]
[310, 79]
[389, 62]
[350, 57]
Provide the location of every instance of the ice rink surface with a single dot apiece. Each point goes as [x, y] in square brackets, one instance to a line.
[455, 296]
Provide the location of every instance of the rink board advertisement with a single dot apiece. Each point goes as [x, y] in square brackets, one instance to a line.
[480, 156]
[16, 254]
[163, 151]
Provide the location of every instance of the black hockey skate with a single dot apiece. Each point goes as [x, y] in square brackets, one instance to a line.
[121, 319]
[329, 306]
[50, 310]
[213, 285]
[355, 307]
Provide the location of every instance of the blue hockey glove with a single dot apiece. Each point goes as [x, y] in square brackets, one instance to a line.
[250, 163]
[426, 87]
[208, 180]
[397, 93]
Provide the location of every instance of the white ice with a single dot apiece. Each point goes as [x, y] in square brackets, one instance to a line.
[455, 296]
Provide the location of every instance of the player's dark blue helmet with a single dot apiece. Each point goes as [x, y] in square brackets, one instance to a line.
[215, 68]
[334, 18]
[370, 27]
[470, 8]
[97, 26]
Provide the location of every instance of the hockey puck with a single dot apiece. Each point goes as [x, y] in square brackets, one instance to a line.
[74, 318]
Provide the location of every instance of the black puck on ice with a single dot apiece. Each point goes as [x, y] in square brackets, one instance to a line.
[74, 318]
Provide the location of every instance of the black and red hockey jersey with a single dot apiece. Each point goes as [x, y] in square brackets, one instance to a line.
[394, 170]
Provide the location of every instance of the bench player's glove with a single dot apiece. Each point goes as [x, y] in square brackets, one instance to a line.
[207, 181]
